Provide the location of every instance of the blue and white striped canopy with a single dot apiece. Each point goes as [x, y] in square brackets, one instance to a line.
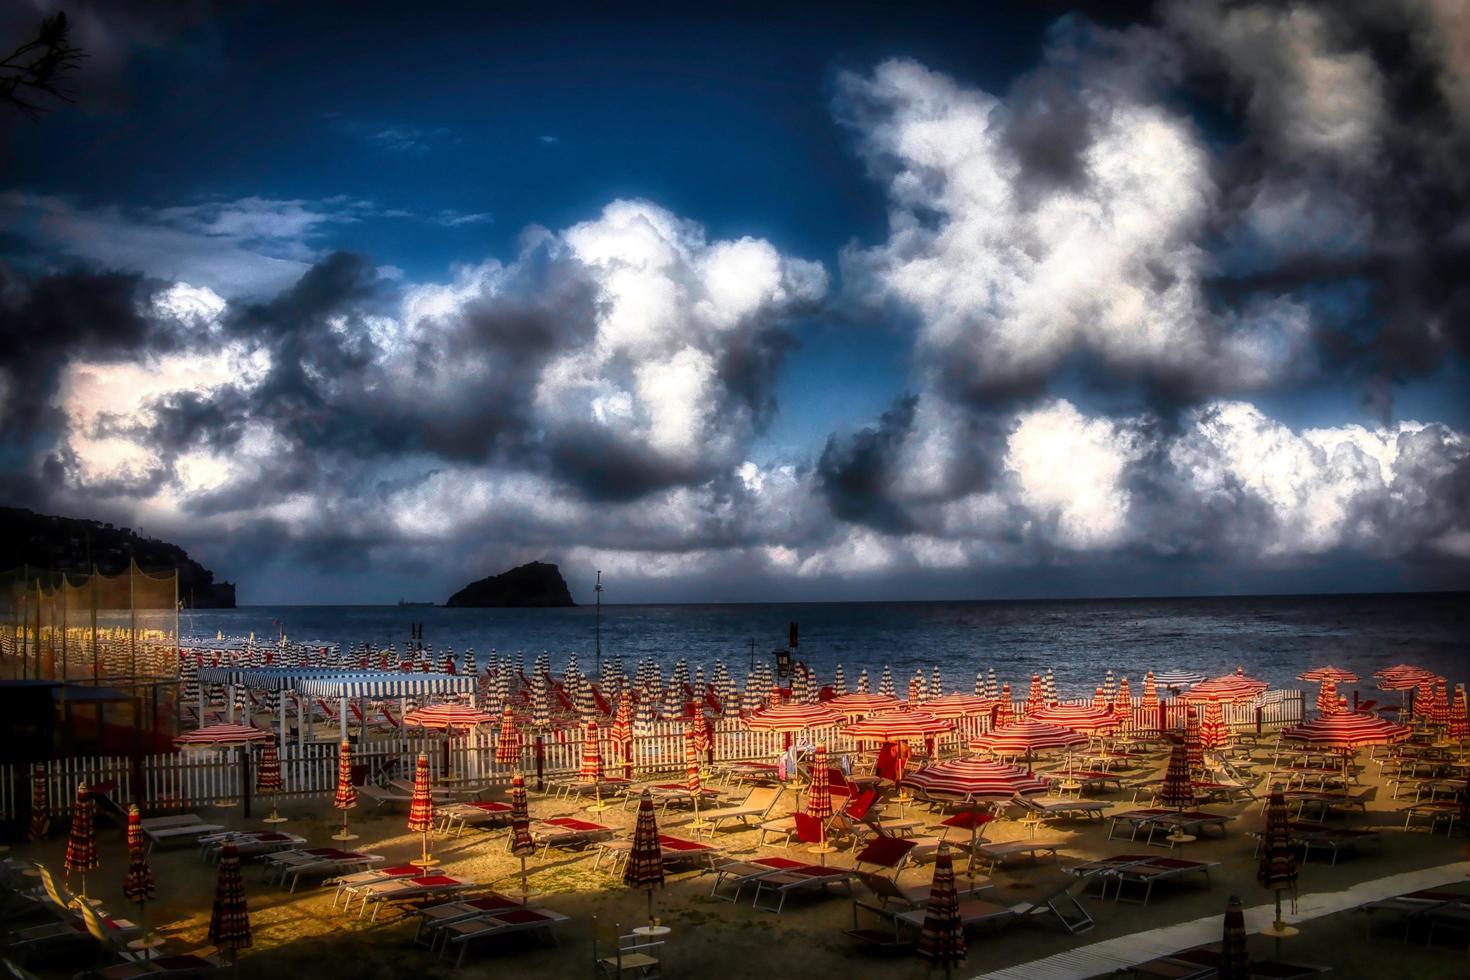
[268, 678]
[385, 685]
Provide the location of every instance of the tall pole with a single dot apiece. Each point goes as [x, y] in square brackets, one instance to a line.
[597, 634]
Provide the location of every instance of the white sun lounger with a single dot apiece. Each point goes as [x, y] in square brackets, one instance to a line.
[405, 889]
[182, 832]
[467, 931]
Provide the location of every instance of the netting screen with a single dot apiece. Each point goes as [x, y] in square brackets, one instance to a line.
[69, 626]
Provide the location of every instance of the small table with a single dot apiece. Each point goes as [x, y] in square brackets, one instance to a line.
[147, 944]
[651, 932]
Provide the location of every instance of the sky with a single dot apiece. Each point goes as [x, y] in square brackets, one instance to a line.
[745, 303]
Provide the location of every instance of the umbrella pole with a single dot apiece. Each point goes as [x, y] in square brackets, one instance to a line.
[650, 905]
[525, 886]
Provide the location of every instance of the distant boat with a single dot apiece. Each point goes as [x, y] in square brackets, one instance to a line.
[405, 602]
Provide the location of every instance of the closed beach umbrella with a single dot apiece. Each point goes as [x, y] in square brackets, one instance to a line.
[885, 683]
[942, 939]
[1123, 702]
[1149, 705]
[978, 778]
[507, 740]
[1049, 686]
[421, 807]
[268, 777]
[591, 770]
[1193, 747]
[229, 920]
[703, 738]
[918, 690]
[980, 688]
[622, 733]
[346, 796]
[839, 681]
[1327, 697]
[1423, 708]
[138, 885]
[40, 824]
[1101, 699]
[1277, 868]
[81, 845]
[1234, 955]
[1005, 707]
[1036, 697]
[645, 866]
[521, 843]
[1178, 789]
[991, 689]
[862, 681]
[1440, 708]
[1213, 734]
[1459, 728]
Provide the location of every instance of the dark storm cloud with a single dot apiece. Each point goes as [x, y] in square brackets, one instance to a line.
[854, 474]
[46, 323]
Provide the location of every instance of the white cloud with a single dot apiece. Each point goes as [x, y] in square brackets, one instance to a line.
[1009, 278]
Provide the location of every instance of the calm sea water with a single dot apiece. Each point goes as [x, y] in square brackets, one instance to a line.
[1272, 637]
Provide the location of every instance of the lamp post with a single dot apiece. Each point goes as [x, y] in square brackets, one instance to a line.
[597, 628]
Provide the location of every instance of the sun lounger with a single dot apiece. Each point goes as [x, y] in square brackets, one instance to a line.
[757, 805]
[458, 816]
[178, 820]
[433, 917]
[1409, 907]
[318, 861]
[176, 967]
[381, 796]
[348, 884]
[1146, 874]
[249, 844]
[1209, 956]
[972, 912]
[996, 853]
[566, 832]
[1434, 812]
[1334, 839]
[467, 931]
[735, 875]
[180, 832]
[401, 890]
[806, 878]
[1050, 808]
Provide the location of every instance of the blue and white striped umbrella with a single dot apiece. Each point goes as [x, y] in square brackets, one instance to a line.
[385, 685]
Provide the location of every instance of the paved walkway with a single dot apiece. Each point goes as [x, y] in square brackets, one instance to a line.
[1140, 947]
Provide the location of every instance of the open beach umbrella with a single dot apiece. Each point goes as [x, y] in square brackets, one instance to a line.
[1177, 791]
[819, 798]
[645, 866]
[224, 735]
[229, 920]
[1194, 747]
[346, 796]
[788, 718]
[81, 844]
[892, 726]
[1337, 675]
[40, 824]
[1228, 688]
[978, 778]
[507, 740]
[959, 705]
[1085, 718]
[942, 939]
[421, 807]
[1178, 679]
[521, 843]
[1346, 732]
[858, 704]
[1005, 708]
[1027, 736]
[622, 732]
[1277, 868]
[268, 778]
[1234, 954]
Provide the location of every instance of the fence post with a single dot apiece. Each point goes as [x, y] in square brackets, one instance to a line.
[1259, 709]
[245, 786]
[540, 764]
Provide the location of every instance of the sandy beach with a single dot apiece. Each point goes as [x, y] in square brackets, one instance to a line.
[300, 934]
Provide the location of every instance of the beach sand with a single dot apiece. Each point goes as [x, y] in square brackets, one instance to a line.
[300, 935]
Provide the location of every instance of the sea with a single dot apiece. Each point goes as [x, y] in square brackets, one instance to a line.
[1271, 637]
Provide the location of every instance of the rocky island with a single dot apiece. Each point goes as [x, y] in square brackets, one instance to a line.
[533, 585]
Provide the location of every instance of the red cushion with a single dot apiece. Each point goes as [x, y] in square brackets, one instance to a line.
[679, 844]
[885, 851]
[432, 881]
[521, 916]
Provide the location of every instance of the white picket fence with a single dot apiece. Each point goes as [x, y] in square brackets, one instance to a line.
[202, 777]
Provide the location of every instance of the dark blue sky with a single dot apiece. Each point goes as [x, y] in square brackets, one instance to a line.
[985, 240]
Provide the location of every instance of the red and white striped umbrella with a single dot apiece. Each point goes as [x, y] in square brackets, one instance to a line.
[81, 844]
[1229, 688]
[346, 795]
[1337, 675]
[268, 773]
[790, 717]
[977, 778]
[1402, 677]
[421, 806]
[899, 724]
[225, 735]
[1005, 708]
[862, 703]
[1036, 697]
[1440, 706]
[1346, 730]
[591, 770]
[40, 824]
[1212, 731]
[819, 794]
[1327, 697]
[691, 762]
[229, 919]
[446, 716]
[1078, 717]
[1194, 748]
[1149, 704]
[1027, 736]
[1123, 701]
[507, 740]
[1459, 724]
[959, 705]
